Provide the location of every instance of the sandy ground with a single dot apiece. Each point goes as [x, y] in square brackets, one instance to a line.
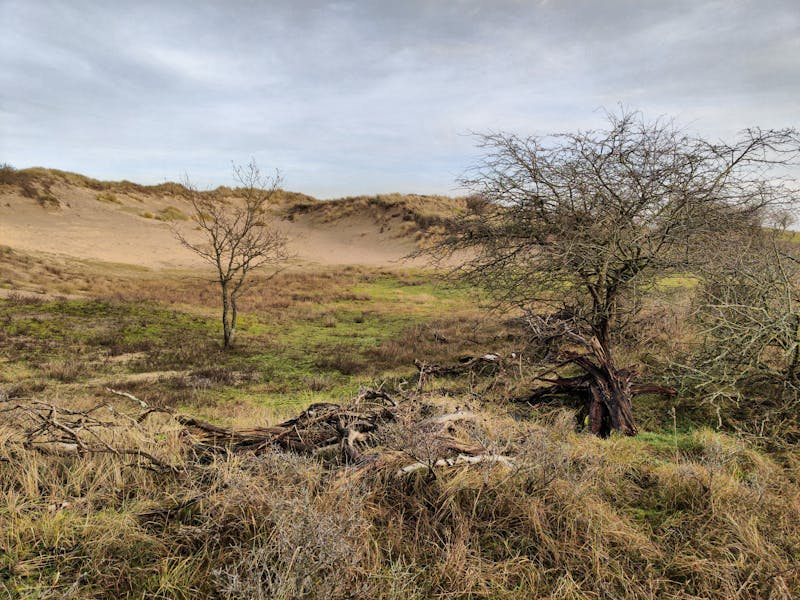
[87, 228]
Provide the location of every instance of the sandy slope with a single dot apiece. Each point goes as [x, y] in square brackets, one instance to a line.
[87, 228]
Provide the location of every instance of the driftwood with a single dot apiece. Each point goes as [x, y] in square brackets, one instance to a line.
[461, 459]
[319, 428]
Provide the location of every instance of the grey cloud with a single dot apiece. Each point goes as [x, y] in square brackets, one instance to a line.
[367, 96]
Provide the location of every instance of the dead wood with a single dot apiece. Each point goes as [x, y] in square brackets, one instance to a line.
[141, 403]
[603, 390]
[461, 459]
[318, 430]
[485, 364]
[355, 433]
[342, 433]
[442, 420]
[53, 430]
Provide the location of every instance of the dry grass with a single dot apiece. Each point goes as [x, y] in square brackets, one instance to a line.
[673, 513]
[409, 215]
[574, 518]
[402, 213]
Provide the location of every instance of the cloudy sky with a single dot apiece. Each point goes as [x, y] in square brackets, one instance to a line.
[361, 96]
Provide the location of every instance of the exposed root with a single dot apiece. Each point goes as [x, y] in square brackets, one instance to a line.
[604, 391]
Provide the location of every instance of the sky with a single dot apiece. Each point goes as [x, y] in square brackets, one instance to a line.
[364, 97]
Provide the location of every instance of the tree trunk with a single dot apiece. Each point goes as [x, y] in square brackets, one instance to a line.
[606, 320]
[791, 370]
[606, 391]
[602, 332]
[227, 334]
[609, 402]
[609, 393]
[232, 323]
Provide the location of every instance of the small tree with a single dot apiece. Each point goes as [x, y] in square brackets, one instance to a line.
[238, 235]
[580, 226]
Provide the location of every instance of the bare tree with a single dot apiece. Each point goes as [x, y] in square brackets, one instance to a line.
[580, 226]
[238, 235]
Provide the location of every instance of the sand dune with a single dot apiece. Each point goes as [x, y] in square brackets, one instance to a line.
[126, 229]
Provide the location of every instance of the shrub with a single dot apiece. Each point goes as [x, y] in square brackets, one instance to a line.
[8, 174]
[108, 197]
[48, 200]
[170, 213]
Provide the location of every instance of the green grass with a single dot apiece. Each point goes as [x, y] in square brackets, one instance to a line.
[665, 443]
[317, 350]
[677, 282]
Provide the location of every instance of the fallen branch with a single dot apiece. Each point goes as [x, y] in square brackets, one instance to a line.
[485, 364]
[313, 431]
[50, 429]
[333, 432]
[141, 403]
[461, 459]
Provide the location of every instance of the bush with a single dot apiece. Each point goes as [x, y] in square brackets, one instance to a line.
[11, 176]
[170, 213]
[8, 174]
[108, 197]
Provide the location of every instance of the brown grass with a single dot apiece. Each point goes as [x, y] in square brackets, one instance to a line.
[575, 518]
[674, 513]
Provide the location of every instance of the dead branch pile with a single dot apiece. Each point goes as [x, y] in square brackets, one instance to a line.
[321, 429]
[370, 429]
[486, 364]
[54, 430]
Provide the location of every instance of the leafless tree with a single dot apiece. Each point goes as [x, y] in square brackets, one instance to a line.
[239, 236]
[581, 225]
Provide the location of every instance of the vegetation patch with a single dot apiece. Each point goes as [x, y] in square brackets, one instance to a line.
[170, 213]
[108, 197]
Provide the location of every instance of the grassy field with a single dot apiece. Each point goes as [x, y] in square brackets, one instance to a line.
[302, 337]
[680, 511]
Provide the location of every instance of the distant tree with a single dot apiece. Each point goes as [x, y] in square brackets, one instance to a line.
[239, 236]
[582, 225]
